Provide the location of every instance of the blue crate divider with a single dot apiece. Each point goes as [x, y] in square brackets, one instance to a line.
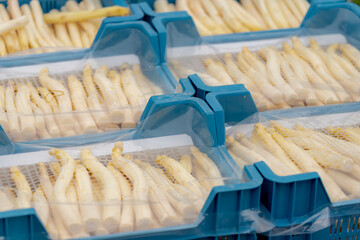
[322, 18]
[287, 199]
[113, 39]
[221, 215]
[136, 14]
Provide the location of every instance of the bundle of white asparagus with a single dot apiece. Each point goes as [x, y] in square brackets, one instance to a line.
[96, 102]
[85, 197]
[213, 17]
[26, 27]
[333, 152]
[294, 76]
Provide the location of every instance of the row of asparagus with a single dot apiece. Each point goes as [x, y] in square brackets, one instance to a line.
[84, 197]
[26, 27]
[294, 76]
[333, 152]
[100, 101]
[228, 16]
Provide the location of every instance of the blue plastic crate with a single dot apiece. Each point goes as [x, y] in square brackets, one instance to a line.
[288, 200]
[114, 40]
[323, 18]
[221, 215]
[135, 11]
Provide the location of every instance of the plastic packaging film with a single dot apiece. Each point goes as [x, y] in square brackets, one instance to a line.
[213, 17]
[113, 187]
[326, 144]
[90, 94]
[279, 73]
[29, 29]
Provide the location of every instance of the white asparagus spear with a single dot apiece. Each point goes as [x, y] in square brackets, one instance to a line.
[273, 66]
[217, 71]
[289, 16]
[6, 202]
[14, 126]
[14, 9]
[308, 164]
[100, 116]
[350, 85]
[40, 124]
[351, 53]
[347, 65]
[262, 8]
[229, 17]
[269, 91]
[208, 166]
[239, 161]
[108, 92]
[181, 5]
[78, 97]
[197, 10]
[250, 156]
[251, 9]
[132, 91]
[346, 182]
[269, 143]
[89, 210]
[321, 153]
[87, 26]
[303, 6]
[31, 27]
[179, 202]
[140, 186]
[26, 117]
[276, 14]
[11, 39]
[305, 94]
[61, 32]
[52, 102]
[201, 176]
[320, 68]
[343, 147]
[15, 24]
[127, 214]
[186, 163]
[243, 16]
[129, 121]
[49, 193]
[23, 190]
[41, 205]
[71, 218]
[184, 72]
[41, 26]
[212, 11]
[3, 115]
[3, 51]
[143, 80]
[110, 189]
[160, 206]
[180, 174]
[293, 8]
[52, 228]
[324, 92]
[60, 93]
[51, 126]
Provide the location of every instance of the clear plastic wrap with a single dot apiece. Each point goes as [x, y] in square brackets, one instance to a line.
[102, 90]
[37, 36]
[313, 66]
[326, 144]
[133, 182]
